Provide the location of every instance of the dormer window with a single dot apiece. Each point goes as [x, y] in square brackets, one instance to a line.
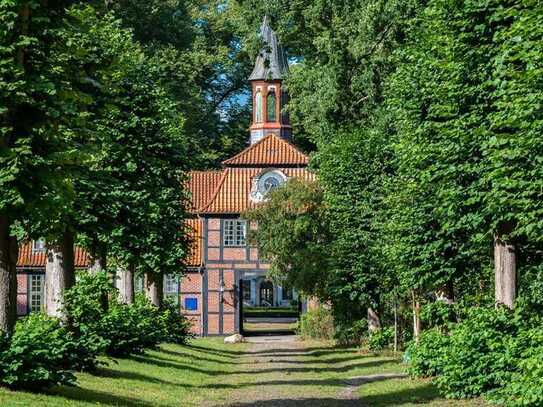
[258, 106]
[271, 105]
[38, 246]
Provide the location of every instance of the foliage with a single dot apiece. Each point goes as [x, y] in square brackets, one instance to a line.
[175, 326]
[317, 323]
[381, 339]
[38, 354]
[197, 47]
[293, 234]
[351, 333]
[426, 358]
[131, 328]
[437, 314]
[480, 355]
[525, 386]
[120, 329]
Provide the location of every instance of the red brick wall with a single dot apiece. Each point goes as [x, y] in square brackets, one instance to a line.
[213, 238]
[234, 254]
[191, 287]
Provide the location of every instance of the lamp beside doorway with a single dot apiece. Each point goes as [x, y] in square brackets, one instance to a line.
[221, 290]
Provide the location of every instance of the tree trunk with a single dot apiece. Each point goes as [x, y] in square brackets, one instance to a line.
[125, 284]
[97, 258]
[505, 267]
[395, 326]
[153, 287]
[8, 277]
[59, 273]
[374, 323]
[417, 327]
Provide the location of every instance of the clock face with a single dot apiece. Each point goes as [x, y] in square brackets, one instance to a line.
[266, 183]
[270, 183]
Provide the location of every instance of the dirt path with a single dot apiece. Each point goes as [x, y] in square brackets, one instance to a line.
[282, 371]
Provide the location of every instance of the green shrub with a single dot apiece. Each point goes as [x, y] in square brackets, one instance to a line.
[131, 328]
[437, 314]
[426, 357]
[478, 357]
[38, 354]
[317, 324]
[176, 326]
[525, 385]
[117, 329]
[381, 339]
[351, 334]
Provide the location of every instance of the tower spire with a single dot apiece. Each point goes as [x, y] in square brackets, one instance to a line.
[269, 96]
[271, 62]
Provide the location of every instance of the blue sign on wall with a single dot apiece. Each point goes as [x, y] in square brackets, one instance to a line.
[191, 304]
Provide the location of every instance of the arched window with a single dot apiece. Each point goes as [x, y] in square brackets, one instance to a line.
[271, 103]
[258, 106]
[284, 101]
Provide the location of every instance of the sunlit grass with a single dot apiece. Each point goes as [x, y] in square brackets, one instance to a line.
[171, 376]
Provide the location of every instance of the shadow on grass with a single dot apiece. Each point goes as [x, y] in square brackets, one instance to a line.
[96, 397]
[320, 368]
[293, 402]
[318, 361]
[224, 352]
[306, 352]
[422, 394]
[170, 364]
[120, 374]
[193, 356]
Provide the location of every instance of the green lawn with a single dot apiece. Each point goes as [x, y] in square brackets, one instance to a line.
[408, 392]
[172, 376]
[209, 373]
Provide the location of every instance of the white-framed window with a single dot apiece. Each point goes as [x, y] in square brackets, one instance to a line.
[234, 232]
[35, 292]
[171, 287]
[258, 106]
[171, 284]
[38, 246]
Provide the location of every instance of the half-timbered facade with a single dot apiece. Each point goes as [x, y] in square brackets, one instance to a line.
[225, 271]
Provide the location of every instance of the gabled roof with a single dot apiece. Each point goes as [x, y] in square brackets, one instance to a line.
[195, 234]
[202, 184]
[271, 151]
[30, 258]
[271, 62]
[232, 193]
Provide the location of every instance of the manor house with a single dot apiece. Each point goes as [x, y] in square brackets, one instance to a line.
[225, 273]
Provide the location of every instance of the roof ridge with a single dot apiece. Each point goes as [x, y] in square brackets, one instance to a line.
[215, 192]
[204, 171]
[262, 141]
[251, 147]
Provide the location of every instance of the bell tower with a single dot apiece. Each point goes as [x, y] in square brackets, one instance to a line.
[269, 95]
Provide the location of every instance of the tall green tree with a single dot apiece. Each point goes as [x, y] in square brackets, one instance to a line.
[34, 140]
[291, 229]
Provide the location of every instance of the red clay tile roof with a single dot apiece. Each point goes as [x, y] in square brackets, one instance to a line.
[271, 151]
[29, 258]
[232, 193]
[201, 184]
[195, 258]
